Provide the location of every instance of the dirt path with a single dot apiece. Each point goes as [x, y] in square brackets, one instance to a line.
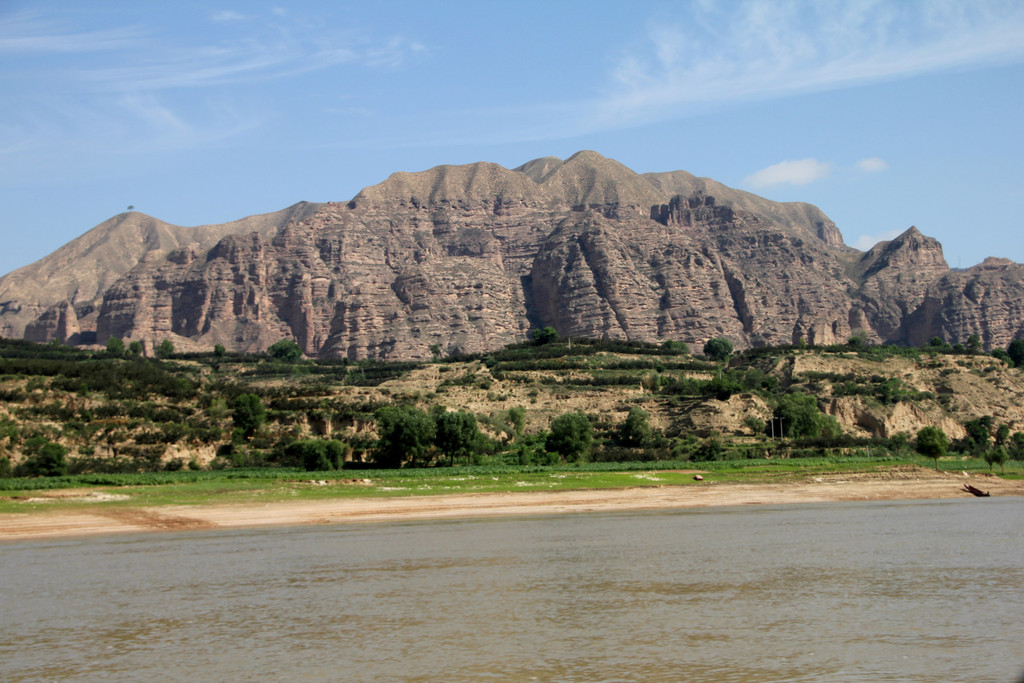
[893, 485]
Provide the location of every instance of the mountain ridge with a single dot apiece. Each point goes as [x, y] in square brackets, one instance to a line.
[472, 257]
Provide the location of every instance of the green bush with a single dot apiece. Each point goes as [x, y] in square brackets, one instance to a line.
[719, 348]
[456, 434]
[405, 432]
[799, 416]
[709, 451]
[286, 351]
[50, 460]
[249, 414]
[570, 436]
[636, 429]
[932, 442]
[316, 455]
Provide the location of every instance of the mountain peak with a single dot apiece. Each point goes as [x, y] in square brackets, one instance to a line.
[910, 249]
[538, 169]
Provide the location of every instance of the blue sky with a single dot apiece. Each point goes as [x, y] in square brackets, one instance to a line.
[883, 114]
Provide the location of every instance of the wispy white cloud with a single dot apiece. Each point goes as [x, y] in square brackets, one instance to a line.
[719, 53]
[865, 242]
[252, 59]
[759, 49]
[153, 113]
[141, 90]
[227, 15]
[27, 34]
[800, 172]
[871, 165]
[273, 47]
[195, 67]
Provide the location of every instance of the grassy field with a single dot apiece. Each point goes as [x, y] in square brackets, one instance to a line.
[270, 485]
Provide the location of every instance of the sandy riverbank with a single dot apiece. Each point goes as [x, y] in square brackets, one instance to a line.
[102, 519]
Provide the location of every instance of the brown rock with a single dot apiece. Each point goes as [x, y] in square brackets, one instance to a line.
[472, 257]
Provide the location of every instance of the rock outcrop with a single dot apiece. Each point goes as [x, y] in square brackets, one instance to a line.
[473, 257]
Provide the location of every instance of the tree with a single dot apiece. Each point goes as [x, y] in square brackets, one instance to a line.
[286, 351]
[1017, 445]
[165, 349]
[135, 348]
[570, 436]
[1016, 352]
[317, 455]
[721, 388]
[899, 442]
[798, 415]
[979, 432]
[115, 347]
[545, 336]
[249, 415]
[435, 351]
[932, 442]
[974, 344]
[517, 416]
[709, 451]
[675, 347]
[996, 456]
[49, 461]
[403, 432]
[636, 430]
[1002, 434]
[455, 434]
[219, 351]
[719, 348]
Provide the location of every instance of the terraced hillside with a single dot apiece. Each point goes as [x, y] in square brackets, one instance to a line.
[111, 412]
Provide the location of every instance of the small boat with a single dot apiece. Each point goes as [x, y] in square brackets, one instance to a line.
[976, 491]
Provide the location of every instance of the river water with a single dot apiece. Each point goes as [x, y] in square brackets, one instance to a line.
[895, 591]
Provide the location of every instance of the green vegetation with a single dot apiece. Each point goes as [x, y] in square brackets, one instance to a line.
[996, 456]
[404, 432]
[249, 415]
[1015, 351]
[186, 487]
[636, 429]
[932, 442]
[317, 455]
[545, 335]
[546, 403]
[798, 415]
[115, 347]
[571, 436]
[718, 349]
[286, 351]
[165, 349]
[456, 434]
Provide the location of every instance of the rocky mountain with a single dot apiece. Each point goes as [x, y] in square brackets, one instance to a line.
[58, 297]
[473, 257]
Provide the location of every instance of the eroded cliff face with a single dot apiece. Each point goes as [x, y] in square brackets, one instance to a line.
[895, 277]
[472, 257]
[987, 300]
[695, 273]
